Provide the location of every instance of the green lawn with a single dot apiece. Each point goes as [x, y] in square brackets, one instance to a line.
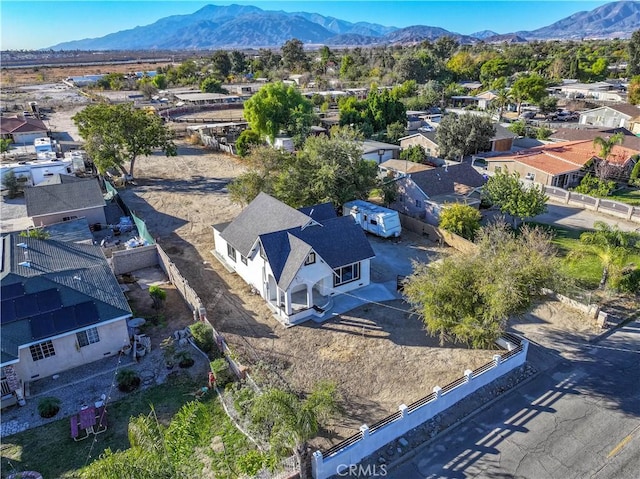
[627, 195]
[50, 450]
[586, 270]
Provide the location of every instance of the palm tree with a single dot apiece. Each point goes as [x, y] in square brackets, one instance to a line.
[502, 100]
[605, 145]
[293, 421]
[610, 245]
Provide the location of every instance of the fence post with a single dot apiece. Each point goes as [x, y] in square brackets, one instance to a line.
[468, 375]
[437, 391]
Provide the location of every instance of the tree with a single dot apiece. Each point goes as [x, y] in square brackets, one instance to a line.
[594, 186]
[531, 88]
[277, 107]
[11, 184]
[37, 233]
[5, 145]
[115, 134]
[292, 422]
[634, 90]
[633, 65]
[610, 245]
[221, 63]
[414, 153]
[212, 85]
[327, 169]
[501, 101]
[247, 140]
[147, 88]
[505, 190]
[293, 56]
[158, 296]
[160, 81]
[395, 131]
[603, 168]
[469, 297]
[458, 136]
[461, 219]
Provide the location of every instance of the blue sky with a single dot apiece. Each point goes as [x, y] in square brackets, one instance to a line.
[41, 24]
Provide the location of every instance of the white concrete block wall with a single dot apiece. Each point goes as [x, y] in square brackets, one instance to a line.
[370, 442]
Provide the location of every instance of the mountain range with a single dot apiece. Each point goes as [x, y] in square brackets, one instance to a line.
[245, 26]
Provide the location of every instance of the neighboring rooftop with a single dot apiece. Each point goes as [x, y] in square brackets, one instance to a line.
[62, 196]
[461, 178]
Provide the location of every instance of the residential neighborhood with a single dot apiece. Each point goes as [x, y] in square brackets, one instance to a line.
[410, 258]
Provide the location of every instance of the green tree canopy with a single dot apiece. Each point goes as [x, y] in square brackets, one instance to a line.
[292, 422]
[461, 219]
[633, 48]
[469, 297]
[294, 57]
[116, 134]
[277, 107]
[634, 90]
[458, 136]
[505, 191]
[212, 85]
[531, 88]
[414, 153]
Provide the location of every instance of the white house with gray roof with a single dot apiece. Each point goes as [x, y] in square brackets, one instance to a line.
[62, 307]
[297, 260]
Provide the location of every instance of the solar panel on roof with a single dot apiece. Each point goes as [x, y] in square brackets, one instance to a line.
[26, 306]
[86, 313]
[9, 291]
[42, 326]
[64, 320]
[49, 300]
[8, 312]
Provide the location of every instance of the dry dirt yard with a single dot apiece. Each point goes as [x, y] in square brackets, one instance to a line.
[379, 355]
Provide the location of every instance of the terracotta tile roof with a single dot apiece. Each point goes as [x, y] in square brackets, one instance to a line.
[558, 158]
[581, 134]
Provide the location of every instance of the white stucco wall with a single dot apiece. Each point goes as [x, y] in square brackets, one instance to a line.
[93, 215]
[113, 336]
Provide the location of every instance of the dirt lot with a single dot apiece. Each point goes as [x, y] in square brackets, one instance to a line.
[379, 355]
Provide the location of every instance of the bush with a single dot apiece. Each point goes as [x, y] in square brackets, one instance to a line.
[221, 370]
[48, 407]
[202, 336]
[590, 185]
[128, 380]
[184, 359]
[250, 463]
[629, 281]
[463, 220]
[158, 296]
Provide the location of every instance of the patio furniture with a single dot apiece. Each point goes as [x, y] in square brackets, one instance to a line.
[87, 417]
[75, 429]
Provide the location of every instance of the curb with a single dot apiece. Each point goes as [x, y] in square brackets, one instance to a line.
[411, 454]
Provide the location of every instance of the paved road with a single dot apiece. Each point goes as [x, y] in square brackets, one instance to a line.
[578, 418]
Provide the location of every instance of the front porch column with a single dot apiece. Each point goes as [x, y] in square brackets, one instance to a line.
[287, 301]
[310, 294]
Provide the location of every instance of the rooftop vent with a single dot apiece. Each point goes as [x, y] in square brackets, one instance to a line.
[23, 245]
[25, 264]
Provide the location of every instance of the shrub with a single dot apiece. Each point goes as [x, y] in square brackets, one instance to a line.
[48, 407]
[220, 368]
[629, 281]
[250, 463]
[591, 185]
[203, 336]
[463, 220]
[128, 380]
[184, 359]
[10, 182]
[158, 296]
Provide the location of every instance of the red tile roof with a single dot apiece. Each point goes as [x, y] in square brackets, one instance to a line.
[559, 158]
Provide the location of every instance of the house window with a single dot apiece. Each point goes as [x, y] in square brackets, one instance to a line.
[418, 204]
[310, 259]
[346, 274]
[530, 176]
[42, 350]
[90, 336]
[69, 218]
[243, 259]
[373, 222]
[231, 252]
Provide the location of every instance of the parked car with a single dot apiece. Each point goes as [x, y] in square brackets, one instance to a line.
[528, 115]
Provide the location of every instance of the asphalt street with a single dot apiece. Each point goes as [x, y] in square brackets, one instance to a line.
[579, 417]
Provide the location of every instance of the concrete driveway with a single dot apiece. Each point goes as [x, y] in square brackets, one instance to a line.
[394, 257]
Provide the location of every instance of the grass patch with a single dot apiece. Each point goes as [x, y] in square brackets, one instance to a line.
[630, 196]
[586, 270]
[51, 451]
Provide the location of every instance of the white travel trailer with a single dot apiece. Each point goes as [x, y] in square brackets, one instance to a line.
[31, 173]
[375, 219]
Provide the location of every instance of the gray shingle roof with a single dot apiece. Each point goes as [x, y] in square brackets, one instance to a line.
[441, 181]
[263, 215]
[339, 241]
[57, 198]
[65, 286]
[59, 179]
[321, 212]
